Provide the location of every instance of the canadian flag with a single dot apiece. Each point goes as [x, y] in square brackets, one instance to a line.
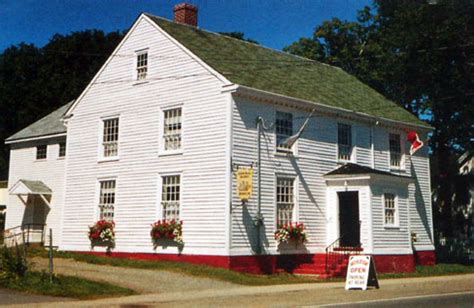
[415, 141]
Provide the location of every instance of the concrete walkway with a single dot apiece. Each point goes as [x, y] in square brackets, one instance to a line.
[289, 295]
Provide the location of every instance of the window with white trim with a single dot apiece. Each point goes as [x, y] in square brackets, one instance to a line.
[42, 151]
[142, 65]
[62, 149]
[110, 137]
[395, 150]
[171, 196]
[390, 210]
[283, 130]
[285, 200]
[107, 200]
[172, 129]
[344, 141]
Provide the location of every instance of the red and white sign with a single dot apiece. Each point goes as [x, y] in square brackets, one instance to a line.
[415, 141]
[361, 273]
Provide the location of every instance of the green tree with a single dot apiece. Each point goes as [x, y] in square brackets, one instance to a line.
[420, 55]
[35, 81]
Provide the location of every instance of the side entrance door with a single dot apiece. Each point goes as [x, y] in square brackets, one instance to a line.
[349, 224]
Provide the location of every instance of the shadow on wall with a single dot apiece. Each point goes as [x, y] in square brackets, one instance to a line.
[306, 186]
[251, 230]
[36, 211]
[420, 204]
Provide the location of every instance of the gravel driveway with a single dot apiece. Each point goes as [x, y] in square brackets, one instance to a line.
[140, 280]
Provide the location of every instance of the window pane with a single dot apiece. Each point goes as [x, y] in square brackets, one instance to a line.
[395, 150]
[41, 151]
[110, 137]
[390, 210]
[172, 129]
[142, 65]
[285, 200]
[283, 129]
[344, 141]
[62, 149]
[170, 198]
[107, 200]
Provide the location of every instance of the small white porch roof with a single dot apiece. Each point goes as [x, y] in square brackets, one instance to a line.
[27, 187]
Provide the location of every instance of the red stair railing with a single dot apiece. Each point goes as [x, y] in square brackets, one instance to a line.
[335, 254]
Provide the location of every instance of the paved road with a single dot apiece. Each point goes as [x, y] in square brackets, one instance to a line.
[10, 297]
[304, 295]
[459, 300]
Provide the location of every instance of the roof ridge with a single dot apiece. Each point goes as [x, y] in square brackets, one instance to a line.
[243, 41]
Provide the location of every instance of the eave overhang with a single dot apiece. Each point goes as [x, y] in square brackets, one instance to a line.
[322, 109]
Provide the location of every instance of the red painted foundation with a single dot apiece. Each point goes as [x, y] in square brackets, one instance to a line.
[425, 257]
[269, 264]
[394, 263]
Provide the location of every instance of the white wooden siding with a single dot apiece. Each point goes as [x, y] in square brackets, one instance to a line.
[316, 155]
[420, 199]
[23, 165]
[363, 145]
[390, 240]
[173, 78]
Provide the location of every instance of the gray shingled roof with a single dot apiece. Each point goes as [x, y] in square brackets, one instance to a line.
[274, 71]
[49, 125]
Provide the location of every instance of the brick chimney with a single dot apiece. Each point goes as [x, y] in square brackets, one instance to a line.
[186, 13]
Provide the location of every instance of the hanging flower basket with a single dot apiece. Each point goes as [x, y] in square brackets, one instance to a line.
[291, 232]
[167, 230]
[102, 233]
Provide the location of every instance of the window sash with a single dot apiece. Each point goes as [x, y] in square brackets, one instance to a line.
[395, 150]
[390, 210]
[110, 137]
[42, 151]
[62, 149]
[142, 65]
[344, 141]
[172, 129]
[107, 200]
[171, 196]
[283, 130]
[285, 200]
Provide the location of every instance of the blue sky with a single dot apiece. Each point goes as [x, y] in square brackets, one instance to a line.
[274, 23]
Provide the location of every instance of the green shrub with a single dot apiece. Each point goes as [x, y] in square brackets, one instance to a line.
[13, 264]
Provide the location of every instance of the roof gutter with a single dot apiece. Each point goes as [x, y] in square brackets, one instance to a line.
[368, 176]
[10, 141]
[272, 97]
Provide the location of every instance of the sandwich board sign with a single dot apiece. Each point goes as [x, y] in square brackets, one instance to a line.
[361, 273]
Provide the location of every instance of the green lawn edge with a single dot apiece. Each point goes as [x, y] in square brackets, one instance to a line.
[185, 268]
[64, 286]
[243, 278]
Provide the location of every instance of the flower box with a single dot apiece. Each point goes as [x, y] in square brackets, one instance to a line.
[164, 231]
[102, 233]
[291, 232]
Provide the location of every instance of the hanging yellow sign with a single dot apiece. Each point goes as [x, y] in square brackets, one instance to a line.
[244, 183]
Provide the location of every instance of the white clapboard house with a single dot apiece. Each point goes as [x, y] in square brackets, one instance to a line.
[164, 125]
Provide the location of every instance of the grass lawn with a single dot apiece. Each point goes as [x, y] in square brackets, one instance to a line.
[64, 286]
[241, 278]
[186, 268]
[437, 270]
